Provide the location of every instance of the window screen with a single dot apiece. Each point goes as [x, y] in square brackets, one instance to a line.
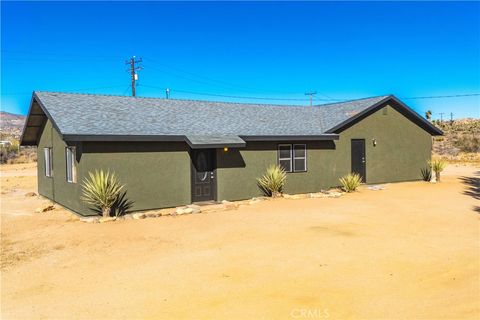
[71, 166]
[48, 161]
[285, 157]
[299, 157]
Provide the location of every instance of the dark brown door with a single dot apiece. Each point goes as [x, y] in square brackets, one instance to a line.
[203, 175]
[358, 158]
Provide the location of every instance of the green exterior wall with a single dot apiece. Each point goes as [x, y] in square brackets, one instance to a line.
[157, 174]
[45, 184]
[402, 149]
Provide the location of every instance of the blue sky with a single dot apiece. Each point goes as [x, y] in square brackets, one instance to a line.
[272, 50]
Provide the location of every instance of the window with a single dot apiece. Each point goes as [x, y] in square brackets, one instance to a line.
[293, 158]
[71, 166]
[47, 152]
[285, 157]
[299, 157]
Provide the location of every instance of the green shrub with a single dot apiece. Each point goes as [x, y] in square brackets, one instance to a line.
[273, 181]
[101, 190]
[437, 166]
[426, 173]
[350, 182]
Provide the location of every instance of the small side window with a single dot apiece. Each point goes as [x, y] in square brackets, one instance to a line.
[285, 156]
[47, 152]
[71, 166]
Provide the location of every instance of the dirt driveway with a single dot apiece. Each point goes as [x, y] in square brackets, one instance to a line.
[411, 251]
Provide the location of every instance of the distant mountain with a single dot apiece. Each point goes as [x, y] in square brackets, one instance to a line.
[11, 124]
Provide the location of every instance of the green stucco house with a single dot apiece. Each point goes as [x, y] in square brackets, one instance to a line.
[172, 152]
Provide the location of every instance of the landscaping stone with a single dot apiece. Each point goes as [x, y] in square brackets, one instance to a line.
[187, 210]
[138, 216]
[376, 187]
[127, 217]
[153, 214]
[45, 207]
[107, 219]
[254, 201]
[180, 210]
[229, 205]
[90, 219]
[30, 194]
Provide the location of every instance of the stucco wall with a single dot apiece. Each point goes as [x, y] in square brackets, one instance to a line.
[45, 184]
[402, 149]
[157, 174]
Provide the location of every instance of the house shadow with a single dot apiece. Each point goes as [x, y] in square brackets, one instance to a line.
[472, 188]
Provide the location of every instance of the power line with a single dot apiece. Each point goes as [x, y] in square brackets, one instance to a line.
[224, 95]
[440, 97]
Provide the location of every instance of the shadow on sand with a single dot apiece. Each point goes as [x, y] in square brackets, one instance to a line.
[472, 188]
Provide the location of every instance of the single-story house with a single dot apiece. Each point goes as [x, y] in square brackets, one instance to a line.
[170, 152]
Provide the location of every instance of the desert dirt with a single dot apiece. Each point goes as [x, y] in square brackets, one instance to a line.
[411, 251]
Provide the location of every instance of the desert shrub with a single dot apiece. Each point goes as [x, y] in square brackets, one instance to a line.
[350, 182]
[467, 143]
[101, 190]
[426, 173]
[273, 181]
[13, 154]
[437, 166]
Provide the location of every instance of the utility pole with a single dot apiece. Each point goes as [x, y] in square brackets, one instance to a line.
[311, 94]
[441, 116]
[132, 69]
[451, 117]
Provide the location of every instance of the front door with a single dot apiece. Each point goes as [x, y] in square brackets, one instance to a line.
[203, 175]
[358, 158]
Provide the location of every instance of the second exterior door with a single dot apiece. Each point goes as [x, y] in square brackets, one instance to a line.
[359, 158]
[203, 175]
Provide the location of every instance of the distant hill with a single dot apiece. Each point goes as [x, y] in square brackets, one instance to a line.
[460, 142]
[11, 124]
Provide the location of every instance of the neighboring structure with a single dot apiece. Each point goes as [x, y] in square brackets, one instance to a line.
[174, 152]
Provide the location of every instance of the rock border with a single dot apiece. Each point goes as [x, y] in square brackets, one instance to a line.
[196, 209]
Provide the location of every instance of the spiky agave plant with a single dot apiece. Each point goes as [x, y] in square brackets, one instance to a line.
[426, 173]
[101, 190]
[437, 166]
[350, 182]
[273, 181]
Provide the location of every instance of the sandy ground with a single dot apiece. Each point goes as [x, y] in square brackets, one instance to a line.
[411, 251]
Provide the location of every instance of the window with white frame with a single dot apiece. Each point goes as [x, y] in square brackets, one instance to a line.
[299, 157]
[285, 156]
[47, 152]
[71, 165]
[292, 158]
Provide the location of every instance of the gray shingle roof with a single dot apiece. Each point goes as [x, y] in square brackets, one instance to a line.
[87, 114]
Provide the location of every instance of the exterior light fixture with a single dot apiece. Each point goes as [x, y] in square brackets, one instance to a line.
[225, 149]
[374, 141]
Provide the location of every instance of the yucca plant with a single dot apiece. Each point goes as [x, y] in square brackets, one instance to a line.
[350, 182]
[426, 173]
[273, 181]
[101, 190]
[437, 166]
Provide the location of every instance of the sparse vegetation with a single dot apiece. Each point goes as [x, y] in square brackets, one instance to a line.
[350, 182]
[426, 173]
[273, 181]
[437, 166]
[102, 190]
[461, 141]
